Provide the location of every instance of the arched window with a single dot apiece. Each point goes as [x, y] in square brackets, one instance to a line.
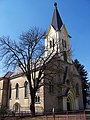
[77, 89]
[16, 107]
[0, 91]
[65, 56]
[64, 45]
[65, 74]
[68, 82]
[37, 99]
[26, 89]
[51, 86]
[10, 91]
[17, 90]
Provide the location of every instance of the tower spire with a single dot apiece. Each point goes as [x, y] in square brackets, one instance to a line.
[56, 19]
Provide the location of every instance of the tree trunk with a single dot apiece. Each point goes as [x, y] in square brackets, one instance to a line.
[32, 95]
[32, 104]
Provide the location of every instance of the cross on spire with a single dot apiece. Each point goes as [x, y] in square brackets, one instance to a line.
[55, 4]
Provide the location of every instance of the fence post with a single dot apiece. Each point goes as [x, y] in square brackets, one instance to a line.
[67, 115]
[53, 111]
[84, 115]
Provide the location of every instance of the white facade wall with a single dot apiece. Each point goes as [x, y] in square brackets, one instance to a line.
[1, 90]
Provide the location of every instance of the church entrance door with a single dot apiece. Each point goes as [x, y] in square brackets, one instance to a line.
[68, 105]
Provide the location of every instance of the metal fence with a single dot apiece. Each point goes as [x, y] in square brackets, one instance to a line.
[56, 116]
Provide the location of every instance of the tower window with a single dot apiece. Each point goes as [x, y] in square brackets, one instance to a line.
[53, 44]
[26, 89]
[17, 91]
[50, 44]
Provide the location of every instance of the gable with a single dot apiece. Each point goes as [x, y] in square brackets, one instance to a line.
[64, 33]
[51, 32]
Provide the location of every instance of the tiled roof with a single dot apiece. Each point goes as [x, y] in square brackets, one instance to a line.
[56, 19]
[16, 71]
[8, 74]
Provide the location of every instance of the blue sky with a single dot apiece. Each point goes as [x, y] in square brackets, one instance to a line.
[17, 16]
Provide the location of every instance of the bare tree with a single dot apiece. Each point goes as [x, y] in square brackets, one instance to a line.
[28, 54]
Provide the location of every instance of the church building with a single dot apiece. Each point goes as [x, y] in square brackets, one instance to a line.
[62, 93]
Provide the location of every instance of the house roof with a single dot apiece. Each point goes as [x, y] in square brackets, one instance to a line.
[56, 19]
[17, 71]
[8, 74]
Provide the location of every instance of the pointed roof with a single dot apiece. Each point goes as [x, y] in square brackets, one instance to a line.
[56, 19]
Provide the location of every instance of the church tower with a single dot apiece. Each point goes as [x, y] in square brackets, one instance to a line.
[57, 39]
